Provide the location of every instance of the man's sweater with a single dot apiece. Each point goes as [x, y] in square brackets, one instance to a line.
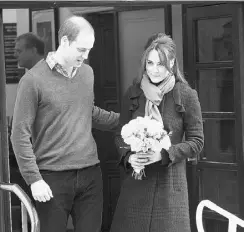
[56, 113]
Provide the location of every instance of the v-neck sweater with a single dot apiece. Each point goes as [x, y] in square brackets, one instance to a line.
[56, 113]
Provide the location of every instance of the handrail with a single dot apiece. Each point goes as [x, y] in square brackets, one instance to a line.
[15, 188]
[233, 220]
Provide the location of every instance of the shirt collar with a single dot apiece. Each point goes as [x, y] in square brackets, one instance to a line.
[53, 63]
[51, 60]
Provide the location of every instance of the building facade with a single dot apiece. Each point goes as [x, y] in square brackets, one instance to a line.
[210, 48]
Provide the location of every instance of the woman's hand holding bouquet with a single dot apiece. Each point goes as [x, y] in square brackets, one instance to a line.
[146, 138]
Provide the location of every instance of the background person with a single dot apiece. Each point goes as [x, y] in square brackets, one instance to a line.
[29, 49]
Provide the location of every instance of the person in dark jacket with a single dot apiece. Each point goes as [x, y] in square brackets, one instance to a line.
[159, 202]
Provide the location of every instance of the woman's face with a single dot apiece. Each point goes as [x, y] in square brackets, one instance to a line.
[155, 69]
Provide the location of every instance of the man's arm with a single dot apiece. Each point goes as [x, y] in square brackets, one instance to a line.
[104, 120]
[23, 118]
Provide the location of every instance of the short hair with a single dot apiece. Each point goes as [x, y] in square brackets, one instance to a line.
[33, 41]
[72, 26]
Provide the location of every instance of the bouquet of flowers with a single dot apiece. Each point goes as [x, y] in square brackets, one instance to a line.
[145, 134]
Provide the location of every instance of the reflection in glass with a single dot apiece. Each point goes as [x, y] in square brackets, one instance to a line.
[220, 187]
[219, 141]
[214, 40]
[216, 90]
[43, 25]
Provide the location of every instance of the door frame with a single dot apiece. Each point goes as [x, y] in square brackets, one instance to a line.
[5, 209]
[239, 98]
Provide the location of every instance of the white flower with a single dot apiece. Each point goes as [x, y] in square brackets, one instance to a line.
[137, 145]
[126, 131]
[154, 127]
[129, 140]
[165, 142]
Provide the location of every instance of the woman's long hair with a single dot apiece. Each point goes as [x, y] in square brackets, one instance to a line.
[166, 49]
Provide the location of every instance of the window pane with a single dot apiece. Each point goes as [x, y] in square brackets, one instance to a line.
[220, 187]
[214, 40]
[219, 141]
[215, 225]
[216, 90]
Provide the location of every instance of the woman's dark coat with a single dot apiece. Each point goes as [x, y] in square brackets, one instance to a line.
[159, 202]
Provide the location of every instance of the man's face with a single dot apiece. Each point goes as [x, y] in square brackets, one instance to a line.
[77, 51]
[23, 55]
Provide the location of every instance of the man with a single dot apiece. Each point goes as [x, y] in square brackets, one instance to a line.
[54, 107]
[29, 49]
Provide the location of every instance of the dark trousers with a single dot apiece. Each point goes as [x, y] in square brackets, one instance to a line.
[78, 193]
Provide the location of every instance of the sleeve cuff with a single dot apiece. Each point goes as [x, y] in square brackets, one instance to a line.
[124, 161]
[166, 161]
[30, 179]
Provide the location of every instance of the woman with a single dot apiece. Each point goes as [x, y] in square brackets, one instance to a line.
[159, 202]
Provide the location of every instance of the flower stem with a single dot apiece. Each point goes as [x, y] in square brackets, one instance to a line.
[138, 176]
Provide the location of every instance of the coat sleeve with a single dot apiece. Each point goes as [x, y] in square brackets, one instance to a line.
[193, 130]
[125, 116]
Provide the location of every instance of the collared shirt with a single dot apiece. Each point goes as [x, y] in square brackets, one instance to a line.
[53, 64]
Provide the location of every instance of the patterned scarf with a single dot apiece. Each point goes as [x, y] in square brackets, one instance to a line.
[155, 94]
